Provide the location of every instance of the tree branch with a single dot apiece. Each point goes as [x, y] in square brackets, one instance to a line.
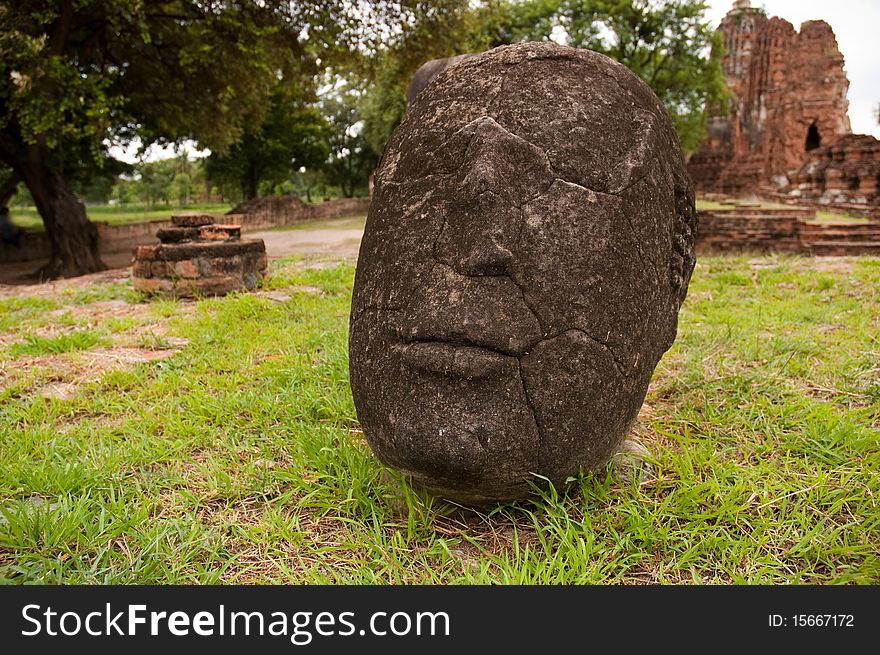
[60, 29]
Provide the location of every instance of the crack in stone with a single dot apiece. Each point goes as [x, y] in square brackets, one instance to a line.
[532, 145]
[527, 303]
[498, 90]
[481, 439]
[629, 186]
[644, 259]
[621, 368]
[539, 430]
[557, 176]
[528, 143]
[434, 245]
[552, 167]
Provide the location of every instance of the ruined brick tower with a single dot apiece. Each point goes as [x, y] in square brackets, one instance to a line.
[788, 98]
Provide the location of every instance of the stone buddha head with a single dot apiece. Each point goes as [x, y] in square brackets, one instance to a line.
[527, 250]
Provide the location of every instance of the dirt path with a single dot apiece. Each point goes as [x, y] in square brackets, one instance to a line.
[323, 241]
[334, 238]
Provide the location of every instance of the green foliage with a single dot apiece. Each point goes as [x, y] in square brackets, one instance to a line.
[178, 180]
[668, 43]
[240, 77]
[293, 135]
[80, 76]
[167, 70]
[118, 214]
[351, 159]
[8, 185]
[155, 181]
[383, 104]
[181, 188]
[309, 183]
[431, 30]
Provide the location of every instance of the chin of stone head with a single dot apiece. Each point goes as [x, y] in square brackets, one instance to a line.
[527, 250]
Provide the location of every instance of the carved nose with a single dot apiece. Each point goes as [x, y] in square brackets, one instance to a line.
[487, 259]
[482, 218]
[478, 234]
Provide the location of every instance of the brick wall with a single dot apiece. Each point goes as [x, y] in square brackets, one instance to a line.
[120, 238]
[748, 229]
[782, 230]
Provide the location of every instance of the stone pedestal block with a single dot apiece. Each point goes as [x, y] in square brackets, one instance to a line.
[198, 258]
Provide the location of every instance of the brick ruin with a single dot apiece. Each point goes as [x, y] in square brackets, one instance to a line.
[846, 171]
[196, 257]
[787, 131]
[272, 211]
[740, 227]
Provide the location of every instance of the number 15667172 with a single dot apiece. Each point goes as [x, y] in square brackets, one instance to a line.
[811, 621]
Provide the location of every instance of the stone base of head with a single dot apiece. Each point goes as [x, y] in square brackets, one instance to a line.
[196, 258]
[528, 247]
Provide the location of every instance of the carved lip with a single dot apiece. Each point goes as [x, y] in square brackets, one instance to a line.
[504, 337]
[457, 360]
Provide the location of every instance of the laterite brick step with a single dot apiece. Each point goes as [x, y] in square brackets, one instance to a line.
[842, 248]
[196, 257]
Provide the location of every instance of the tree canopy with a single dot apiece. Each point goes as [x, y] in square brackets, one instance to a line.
[432, 30]
[80, 76]
[241, 78]
[351, 159]
[292, 135]
[668, 43]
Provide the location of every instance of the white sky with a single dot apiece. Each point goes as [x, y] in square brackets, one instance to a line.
[156, 152]
[855, 24]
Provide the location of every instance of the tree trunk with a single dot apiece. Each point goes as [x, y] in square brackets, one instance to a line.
[7, 189]
[252, 183]
[73, 238]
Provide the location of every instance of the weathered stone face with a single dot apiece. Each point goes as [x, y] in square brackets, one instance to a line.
[527, 250]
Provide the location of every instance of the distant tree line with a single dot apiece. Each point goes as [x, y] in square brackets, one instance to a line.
[289, 96]
[185, 180]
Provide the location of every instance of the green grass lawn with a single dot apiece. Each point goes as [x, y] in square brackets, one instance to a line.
[199, 442]
[27, 217]
[836, 217]
[703, 204]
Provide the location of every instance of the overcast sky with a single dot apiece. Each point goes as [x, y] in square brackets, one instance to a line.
[855, 24]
